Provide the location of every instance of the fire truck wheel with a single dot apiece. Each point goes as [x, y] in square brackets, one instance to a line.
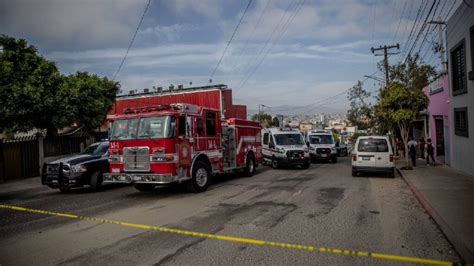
[274, 163]
[96, 181]
[200, 178]
[249, 165]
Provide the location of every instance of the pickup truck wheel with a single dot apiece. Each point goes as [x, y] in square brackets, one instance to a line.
[249, 165]
[200, 178]
[274, 164]
[144, 187]
[96, 181]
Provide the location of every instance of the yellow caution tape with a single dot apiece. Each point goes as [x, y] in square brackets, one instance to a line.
[239, 239]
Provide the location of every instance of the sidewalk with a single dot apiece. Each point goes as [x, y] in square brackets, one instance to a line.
[448, 197]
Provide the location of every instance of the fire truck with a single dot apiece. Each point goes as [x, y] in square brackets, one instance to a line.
[180, 136]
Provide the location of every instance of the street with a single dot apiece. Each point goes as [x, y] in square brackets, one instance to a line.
[321, 206]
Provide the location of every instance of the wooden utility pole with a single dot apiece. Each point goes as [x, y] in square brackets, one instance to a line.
[385, 49]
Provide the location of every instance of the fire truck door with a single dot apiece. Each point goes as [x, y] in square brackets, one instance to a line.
[184, 147]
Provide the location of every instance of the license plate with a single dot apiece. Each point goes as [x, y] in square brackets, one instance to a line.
[324, 155]
[54, 181]
[366, 158]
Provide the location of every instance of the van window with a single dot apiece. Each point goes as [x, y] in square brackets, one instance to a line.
[265, 139]
[271, 142]
[182, 125]
[372, 145]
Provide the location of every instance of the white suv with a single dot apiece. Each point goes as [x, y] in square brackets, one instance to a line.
[373, 154]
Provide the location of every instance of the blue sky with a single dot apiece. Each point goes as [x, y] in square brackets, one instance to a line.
[285, 53]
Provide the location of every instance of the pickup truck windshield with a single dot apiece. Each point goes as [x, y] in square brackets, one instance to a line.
[321, 139]
[158, 127]
[289, 139]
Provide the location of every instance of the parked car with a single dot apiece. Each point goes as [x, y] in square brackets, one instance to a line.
[284, 147]
[84, 169]
[373, 154]
[321, 146]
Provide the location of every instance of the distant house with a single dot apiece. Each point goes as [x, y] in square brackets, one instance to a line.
[305, 126]
[438, 119]
[460, 40]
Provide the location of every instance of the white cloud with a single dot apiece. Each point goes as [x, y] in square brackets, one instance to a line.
[72, 23]
[207, 8]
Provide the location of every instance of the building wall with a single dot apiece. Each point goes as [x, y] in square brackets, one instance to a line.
[458, 29]
[438, 93]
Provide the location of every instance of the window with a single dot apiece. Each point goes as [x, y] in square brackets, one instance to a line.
[265, 139]
[189, 126]
[458, 68]
[461, 127]
[471, 36]
[200, 127]
[271, 144]
[289, 139]
[182, 125]
[211, 123]
[372, 145]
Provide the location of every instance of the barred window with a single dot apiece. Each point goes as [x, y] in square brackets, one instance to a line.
[458, 68]
[461, 127]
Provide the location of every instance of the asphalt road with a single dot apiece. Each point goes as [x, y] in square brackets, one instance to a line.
[321, 206]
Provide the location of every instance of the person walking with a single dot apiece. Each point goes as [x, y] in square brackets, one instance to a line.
[422, 147]
[430, 153]
[411, 146]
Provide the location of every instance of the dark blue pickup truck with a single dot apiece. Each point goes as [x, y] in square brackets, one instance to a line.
[84, 169]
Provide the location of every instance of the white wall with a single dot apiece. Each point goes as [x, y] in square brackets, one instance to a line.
[463, 147]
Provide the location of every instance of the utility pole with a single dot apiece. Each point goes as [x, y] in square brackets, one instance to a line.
[440, 47]
[385, 49]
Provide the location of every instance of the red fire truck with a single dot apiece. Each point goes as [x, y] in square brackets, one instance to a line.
[180, 136]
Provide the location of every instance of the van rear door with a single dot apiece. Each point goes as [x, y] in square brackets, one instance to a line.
[383, 153]
[366, 153]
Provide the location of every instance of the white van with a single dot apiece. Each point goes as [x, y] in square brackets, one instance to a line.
[321, 146]
[373, 154]
[284, 147]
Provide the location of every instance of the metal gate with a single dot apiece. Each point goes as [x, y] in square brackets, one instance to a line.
[19, 158]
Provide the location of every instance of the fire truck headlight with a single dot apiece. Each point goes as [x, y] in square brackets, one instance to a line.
[114, 159]
[162, 158]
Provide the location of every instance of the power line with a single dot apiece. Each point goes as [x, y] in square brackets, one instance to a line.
[400, 21]
[467, 4]
[415, 23]
[133, 39]
[230, 40]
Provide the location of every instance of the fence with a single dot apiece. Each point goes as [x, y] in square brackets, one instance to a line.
[22, 157]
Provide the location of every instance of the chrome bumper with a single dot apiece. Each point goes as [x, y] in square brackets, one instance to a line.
[135, 178]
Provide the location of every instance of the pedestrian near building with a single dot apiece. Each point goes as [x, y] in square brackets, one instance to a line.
[422, 147]
[411, 146]
[430, 153]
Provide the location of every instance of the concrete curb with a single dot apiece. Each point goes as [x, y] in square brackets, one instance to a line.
[459, 247]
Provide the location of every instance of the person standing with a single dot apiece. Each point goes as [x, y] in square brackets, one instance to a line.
[430, 153]
[422, 147]
[411, 146]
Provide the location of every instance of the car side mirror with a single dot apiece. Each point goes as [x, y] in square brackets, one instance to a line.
[271, 146]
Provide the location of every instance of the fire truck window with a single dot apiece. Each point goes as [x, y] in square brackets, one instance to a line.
[200, 127]
[189, 126]
[265, 139]
[182, 125]
[211, 123]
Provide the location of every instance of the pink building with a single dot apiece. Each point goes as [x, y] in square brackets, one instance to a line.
[438, 118]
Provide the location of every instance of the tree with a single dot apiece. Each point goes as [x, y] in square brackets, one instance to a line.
[91, 98]
[33, 94]
[28, 88]
[412, 73]
[265, 119]
[275, 122]
[401, 105]
[360, 113]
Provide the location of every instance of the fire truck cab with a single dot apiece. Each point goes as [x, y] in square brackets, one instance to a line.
[176, 143]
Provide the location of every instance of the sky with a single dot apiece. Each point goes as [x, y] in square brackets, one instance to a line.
[283, 54]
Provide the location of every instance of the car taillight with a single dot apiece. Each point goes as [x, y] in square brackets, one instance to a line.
[354, 157]
[391, 158]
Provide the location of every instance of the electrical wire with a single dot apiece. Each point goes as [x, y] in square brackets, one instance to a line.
[230, 40]
[467, 4]
[132, 40]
